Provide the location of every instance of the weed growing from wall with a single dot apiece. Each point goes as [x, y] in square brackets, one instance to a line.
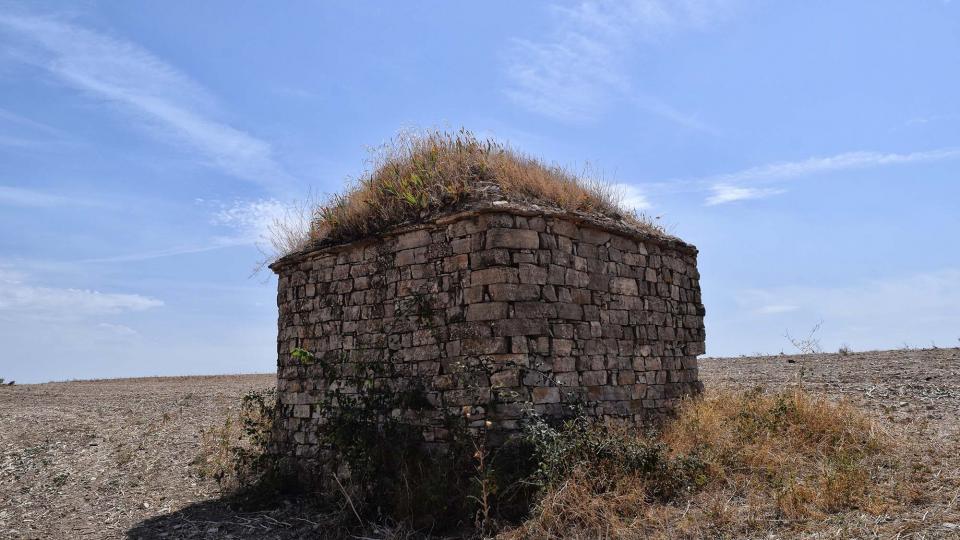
[608, 452]
[374, 451]
[376, 456]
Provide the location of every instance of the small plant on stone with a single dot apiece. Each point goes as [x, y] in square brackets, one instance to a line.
[415, 304]
[303, 356]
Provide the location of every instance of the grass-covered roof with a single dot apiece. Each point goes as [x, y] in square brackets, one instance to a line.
[419, 176]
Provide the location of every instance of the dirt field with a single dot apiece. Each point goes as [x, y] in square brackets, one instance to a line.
[111, 459]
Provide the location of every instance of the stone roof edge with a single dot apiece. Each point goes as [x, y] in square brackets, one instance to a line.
[581, 218]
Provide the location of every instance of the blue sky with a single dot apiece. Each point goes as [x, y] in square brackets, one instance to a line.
[810, 150]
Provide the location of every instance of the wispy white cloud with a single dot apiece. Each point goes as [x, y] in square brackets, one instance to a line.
[156, 93]
[15, 196]
[116, 331]
[22, 133]
[22, 299]
[12, 118]
[631, 196]
[875, 313]
[748, 183]
[816, 165]
[174, 251]
[276, 228]
[662, 109]
[296, 92]
[577, 70]
[774, 309]
[21, 142]
[726, 193]
[568, 80]
[251, 221]
[927, 119]
[244, 222]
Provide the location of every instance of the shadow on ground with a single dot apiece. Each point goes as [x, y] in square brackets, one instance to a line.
[217, 519]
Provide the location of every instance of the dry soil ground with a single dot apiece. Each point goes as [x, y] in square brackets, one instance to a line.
[111, 459]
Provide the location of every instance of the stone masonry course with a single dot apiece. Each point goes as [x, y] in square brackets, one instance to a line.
[554, 309]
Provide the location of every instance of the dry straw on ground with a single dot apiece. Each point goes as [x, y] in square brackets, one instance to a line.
[112, 459]
[732, 463]
[422, 173]
[770, 462]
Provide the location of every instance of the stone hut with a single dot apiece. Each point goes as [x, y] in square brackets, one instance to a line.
[556, 306]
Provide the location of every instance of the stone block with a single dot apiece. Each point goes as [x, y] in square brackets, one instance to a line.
[473, 295]
[567, 378]
[534, 310]
[466, 396]
[512, 238]
[487, 311]
[561, 347]
[301, 411]
[413, 239]
[573, 312]
[564, 227]
[489, 276]
[549, 293]
[490, 257]
[520, 327]
[456, 262]
[519, 345]
[508, 292]
[532, 274]
[483, 345]
[523, 257]
[507, 378]
[497, 220]
[546, 394]
[461, 246]
[411, 256]
[599, 282]
[626, 286]
[594, 236]
[593, 378]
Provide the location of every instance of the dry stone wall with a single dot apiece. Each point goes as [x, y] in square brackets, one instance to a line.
[495, 311]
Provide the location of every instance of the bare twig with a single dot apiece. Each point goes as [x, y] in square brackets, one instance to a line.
[349, 500]
[809, 344]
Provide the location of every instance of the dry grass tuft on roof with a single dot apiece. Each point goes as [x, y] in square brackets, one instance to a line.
[419, 175]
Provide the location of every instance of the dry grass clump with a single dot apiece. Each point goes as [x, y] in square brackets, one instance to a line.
[291, 231]
[418, 174]
[233, 453]
[760, 463]
[728, 465]
[215, 458]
